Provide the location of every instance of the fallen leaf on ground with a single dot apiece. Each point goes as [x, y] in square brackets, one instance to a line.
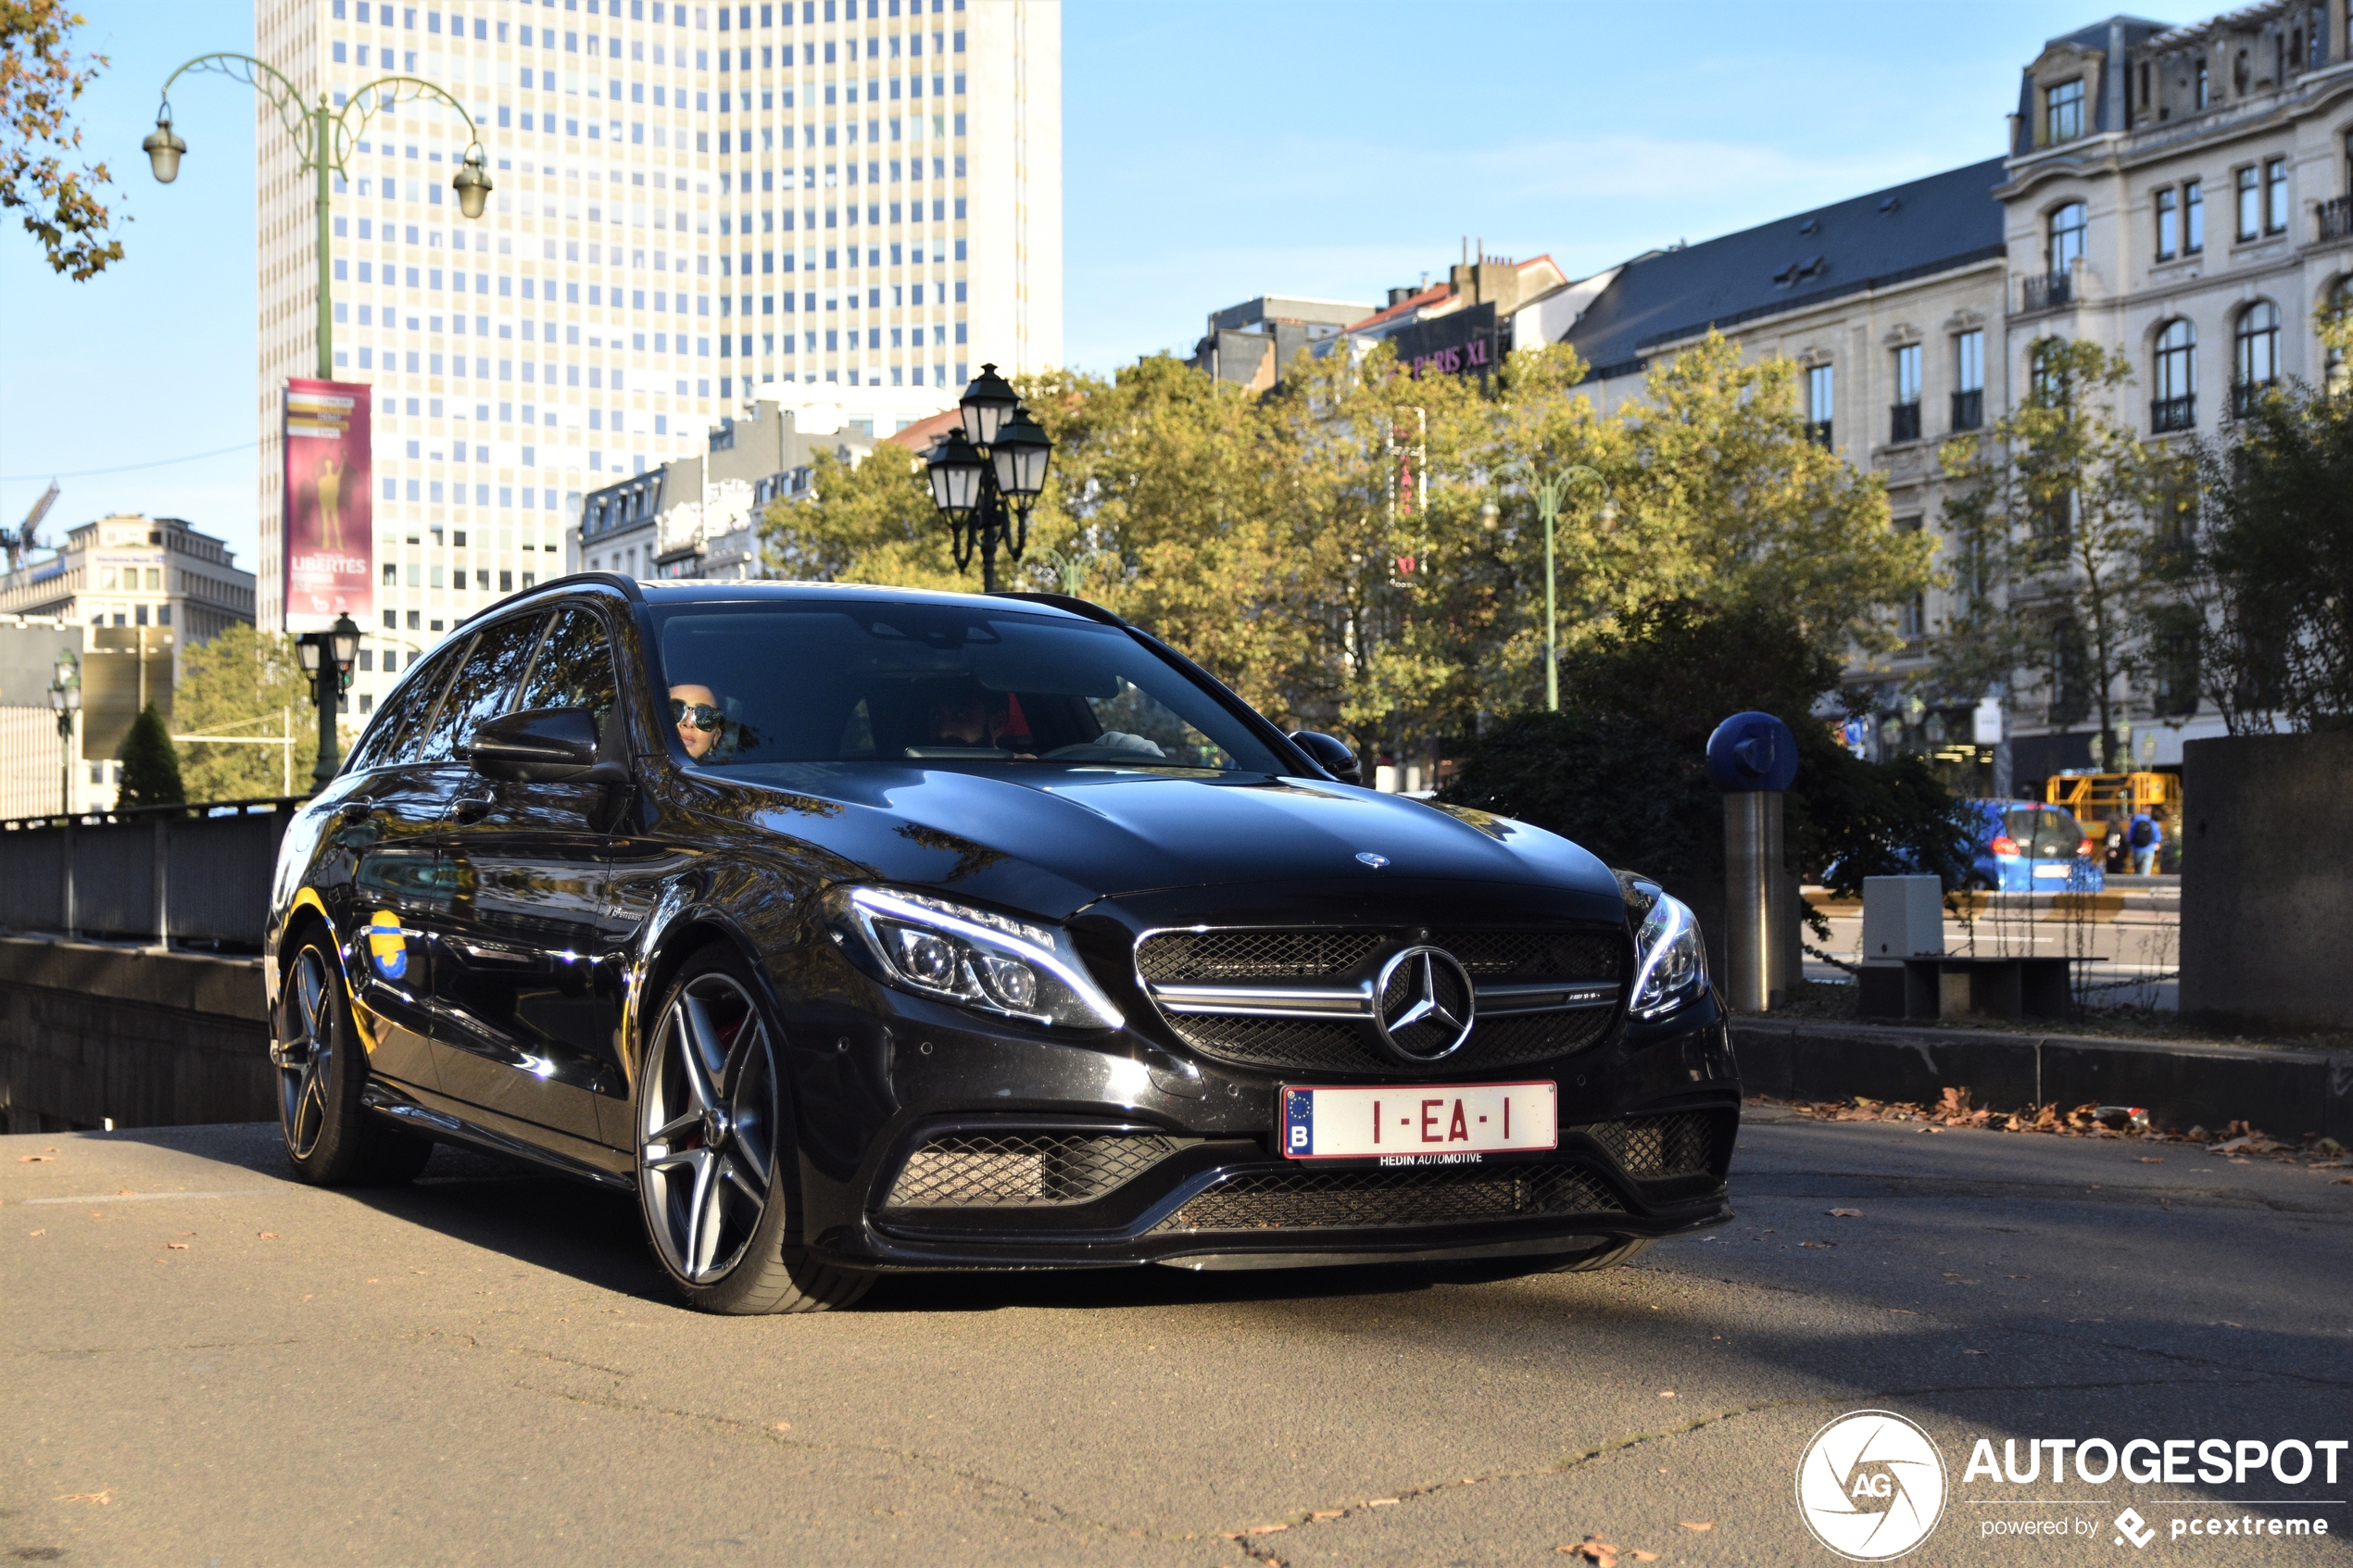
[1698, 1524]
[2342, 1182]
[33, 1158]
[2152, 1160]
[782, 1426]
[1906, 1311]
[1846, 1213]
[269, 1236]
[177, 1246]
[1821, 1244]
[102, 1499]
[43, 1230]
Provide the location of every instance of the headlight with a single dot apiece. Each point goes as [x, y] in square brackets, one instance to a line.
[971, 956]
[1670, 965]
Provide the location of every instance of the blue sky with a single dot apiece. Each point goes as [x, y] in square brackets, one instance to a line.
[1213, 150]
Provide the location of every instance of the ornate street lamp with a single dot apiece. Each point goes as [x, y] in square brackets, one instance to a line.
[334, 651]
[65, 698]
[323, 138]
[986, 477]
[1550, 491]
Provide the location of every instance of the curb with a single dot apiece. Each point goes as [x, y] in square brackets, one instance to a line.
[2299, 1094]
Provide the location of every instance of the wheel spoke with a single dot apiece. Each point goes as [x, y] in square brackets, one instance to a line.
[713, 1220]
[691, 1254]
[673, 1159]
[729, 1169]
[694, 1034]
[670, 1129]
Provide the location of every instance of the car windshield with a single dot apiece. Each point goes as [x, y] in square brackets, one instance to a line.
[789, 681]
[2045, 831]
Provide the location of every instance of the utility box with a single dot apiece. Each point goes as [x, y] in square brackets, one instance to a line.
[1903, 917]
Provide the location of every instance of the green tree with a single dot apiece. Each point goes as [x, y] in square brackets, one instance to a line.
[246, 685]
[40, 80]
[150, 768]
[2063, 530]
[2273, 579]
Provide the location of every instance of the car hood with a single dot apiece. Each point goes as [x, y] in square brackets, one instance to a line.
[1052, 840]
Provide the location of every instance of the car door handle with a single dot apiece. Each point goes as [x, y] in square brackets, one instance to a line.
[354, 811]
[470, 808]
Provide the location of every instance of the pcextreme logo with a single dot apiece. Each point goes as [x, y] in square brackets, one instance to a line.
[1871, 1486]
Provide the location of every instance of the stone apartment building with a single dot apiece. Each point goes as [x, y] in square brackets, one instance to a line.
[698, 517]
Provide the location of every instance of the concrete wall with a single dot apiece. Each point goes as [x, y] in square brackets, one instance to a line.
[2267, 891]
[91, 1034]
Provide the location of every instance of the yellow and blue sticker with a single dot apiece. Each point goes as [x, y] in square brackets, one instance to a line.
[387, 948]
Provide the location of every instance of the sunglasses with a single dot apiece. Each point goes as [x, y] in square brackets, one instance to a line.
[701, 715]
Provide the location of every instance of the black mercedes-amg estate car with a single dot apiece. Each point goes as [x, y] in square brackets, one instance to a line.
[863, 929]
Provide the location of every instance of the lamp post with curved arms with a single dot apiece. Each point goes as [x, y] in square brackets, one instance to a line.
[322, 138]
[1549, 491]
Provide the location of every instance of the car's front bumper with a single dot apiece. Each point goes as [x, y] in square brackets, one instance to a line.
[1005, 1153]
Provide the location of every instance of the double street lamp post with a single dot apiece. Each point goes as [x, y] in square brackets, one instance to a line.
[1550, 491]
[323, 140]
[986, 476]
[65, 698]
[327, 657]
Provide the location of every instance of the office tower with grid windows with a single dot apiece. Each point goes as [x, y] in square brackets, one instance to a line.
[840, 205]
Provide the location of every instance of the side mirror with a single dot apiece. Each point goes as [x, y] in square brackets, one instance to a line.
[1330, 754]
[541, 746]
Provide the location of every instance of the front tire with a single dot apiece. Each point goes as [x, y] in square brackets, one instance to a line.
[331, 1138]
[718, 1175]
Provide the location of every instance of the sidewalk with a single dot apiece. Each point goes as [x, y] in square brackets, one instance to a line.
[2286, 1092]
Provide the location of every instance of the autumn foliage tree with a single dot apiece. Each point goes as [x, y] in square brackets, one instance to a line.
[40, 80]
[1356, 551]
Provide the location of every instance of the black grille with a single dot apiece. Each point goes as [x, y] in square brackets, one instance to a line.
[1195, 958]
[1023, 1170]
[1658, 1146]
[1362, 1198]
[1274, 957]
[1533, 955]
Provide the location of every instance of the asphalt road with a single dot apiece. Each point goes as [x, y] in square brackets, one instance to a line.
[208, 1364]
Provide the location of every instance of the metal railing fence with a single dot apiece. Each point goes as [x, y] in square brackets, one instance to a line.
[195, 875]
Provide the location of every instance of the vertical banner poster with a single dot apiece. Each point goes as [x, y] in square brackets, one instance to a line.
[329, 529]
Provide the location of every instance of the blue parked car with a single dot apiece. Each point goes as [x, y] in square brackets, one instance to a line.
[2027, 846]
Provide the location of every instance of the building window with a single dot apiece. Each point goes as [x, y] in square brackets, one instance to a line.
[2192, 216]
[2275, 196]
[1912, 619]
[2068, 225]
[2334, 372]
[2169, 224]
[2255, 356]
[2064, 105]
[2250, 204]
[1821, 401]
[1903, 422]
[1969, 380]
[2203, 93]
[2175, 405]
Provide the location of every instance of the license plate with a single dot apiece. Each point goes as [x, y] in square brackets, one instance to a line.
[1419, 1125]
[2058, 872]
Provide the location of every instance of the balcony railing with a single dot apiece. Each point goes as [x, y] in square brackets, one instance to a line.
[2047, 291]
[2170, 414]
[2334, 219]
[2245, 396]
[1903, 422]
[1819, 432]
[1969, 409]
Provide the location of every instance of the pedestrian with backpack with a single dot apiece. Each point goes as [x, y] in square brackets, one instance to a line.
[2144, 838]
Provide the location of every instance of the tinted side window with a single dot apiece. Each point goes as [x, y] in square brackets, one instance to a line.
[399, 731]
[483, 683]
[574, 668]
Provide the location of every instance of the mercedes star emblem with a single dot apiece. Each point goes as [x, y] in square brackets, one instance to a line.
[1376, 861]
[1423, 1005]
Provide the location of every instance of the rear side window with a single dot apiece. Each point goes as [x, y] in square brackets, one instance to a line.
[574, 668]
[398, 734]
[485, 682]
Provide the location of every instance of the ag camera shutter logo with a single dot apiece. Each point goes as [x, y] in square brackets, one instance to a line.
[1871, 1486]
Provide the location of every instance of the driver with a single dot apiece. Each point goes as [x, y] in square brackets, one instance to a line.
[700, 721]
[967, 718]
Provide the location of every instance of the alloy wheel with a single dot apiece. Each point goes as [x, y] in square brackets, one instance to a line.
[707, 1128]
[306, 1054]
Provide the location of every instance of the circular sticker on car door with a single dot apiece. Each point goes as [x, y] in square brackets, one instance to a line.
[387, 947]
